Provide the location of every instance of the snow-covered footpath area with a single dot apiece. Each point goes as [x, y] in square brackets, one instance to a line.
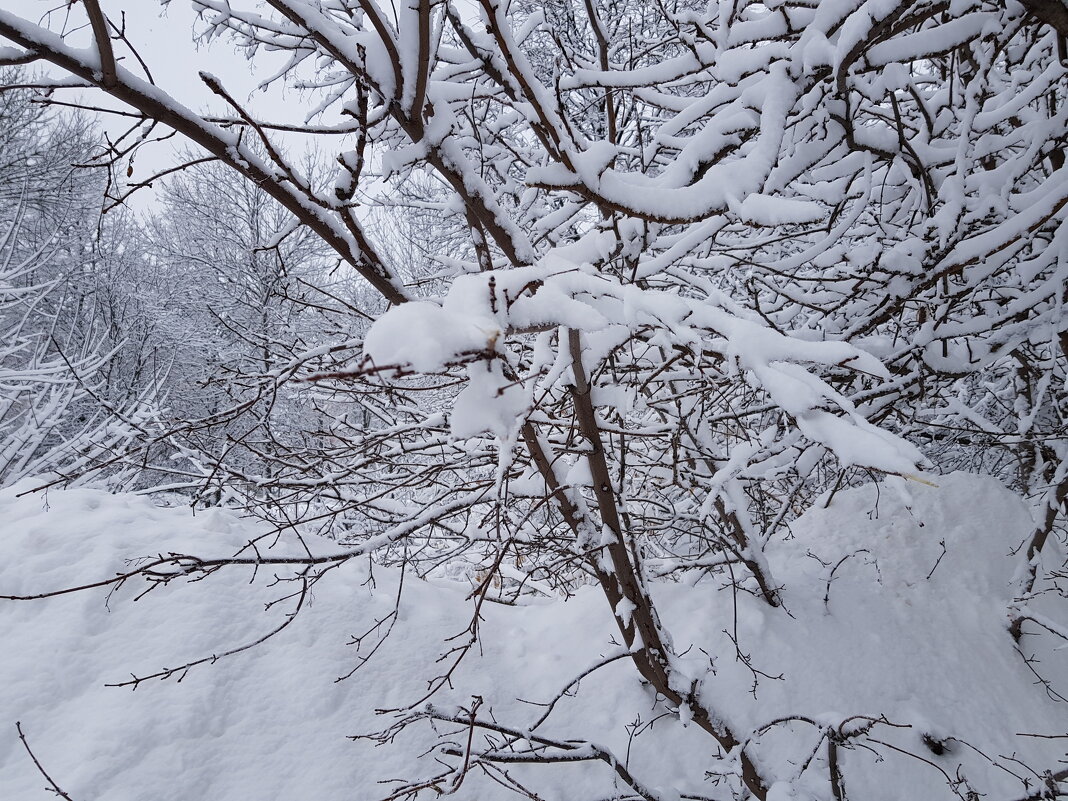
[895, 608]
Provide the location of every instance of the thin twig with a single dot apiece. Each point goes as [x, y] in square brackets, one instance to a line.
[55, 788]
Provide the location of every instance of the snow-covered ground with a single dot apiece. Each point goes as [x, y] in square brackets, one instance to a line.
[901, 631]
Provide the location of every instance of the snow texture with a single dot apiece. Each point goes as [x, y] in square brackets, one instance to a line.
[880, 623]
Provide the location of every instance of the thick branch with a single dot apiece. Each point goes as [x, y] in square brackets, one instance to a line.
[226, 147]
[103, 43]
[1052, 12]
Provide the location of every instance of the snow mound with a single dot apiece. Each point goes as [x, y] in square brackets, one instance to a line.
[880, 620]
[897, 597]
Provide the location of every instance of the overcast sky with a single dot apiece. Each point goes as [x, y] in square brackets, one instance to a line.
[165, 39]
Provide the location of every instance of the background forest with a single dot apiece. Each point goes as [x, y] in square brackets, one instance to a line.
[620, 399]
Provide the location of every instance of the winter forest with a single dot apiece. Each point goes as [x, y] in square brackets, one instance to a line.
[561, 400]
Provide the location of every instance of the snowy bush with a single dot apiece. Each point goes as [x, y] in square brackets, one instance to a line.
[690, 273]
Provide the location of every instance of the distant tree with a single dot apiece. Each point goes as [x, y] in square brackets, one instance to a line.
[58, 408]
[236, 266]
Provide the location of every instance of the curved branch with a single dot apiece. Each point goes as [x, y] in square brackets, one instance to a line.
[148, 99]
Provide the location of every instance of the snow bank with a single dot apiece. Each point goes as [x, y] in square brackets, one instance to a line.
[878, 621]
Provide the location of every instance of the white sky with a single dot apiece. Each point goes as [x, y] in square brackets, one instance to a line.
[164, 38]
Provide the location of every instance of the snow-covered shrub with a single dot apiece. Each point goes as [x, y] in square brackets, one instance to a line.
[698, 267]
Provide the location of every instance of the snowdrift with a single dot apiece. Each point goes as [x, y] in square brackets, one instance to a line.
[894, 609]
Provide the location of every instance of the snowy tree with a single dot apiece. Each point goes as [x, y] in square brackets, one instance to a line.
[60, 407]
[698, 264]
[236, 272]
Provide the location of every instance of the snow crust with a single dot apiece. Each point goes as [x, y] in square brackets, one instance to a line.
[881, 622]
